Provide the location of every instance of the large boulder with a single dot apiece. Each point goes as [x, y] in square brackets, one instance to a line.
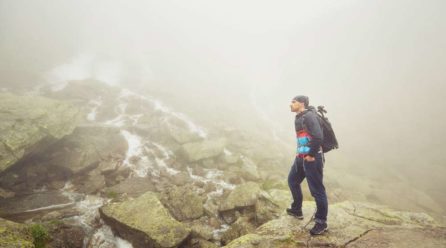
[15, 235]
[348, 221]
[30, 122]
[145, 222]
[244, 195]
[85, 148]
[22, 207]
[195, 151]
[183, 203]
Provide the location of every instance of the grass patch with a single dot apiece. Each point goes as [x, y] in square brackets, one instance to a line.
[112, 194]
[40, 235]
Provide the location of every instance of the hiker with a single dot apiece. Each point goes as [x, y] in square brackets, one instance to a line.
[309, 163]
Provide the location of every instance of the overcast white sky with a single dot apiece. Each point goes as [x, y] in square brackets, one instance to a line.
[378, 66]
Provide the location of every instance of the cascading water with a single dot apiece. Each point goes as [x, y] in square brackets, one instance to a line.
[140, 148]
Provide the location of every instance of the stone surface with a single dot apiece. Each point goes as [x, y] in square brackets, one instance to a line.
[243, 195]
[183, 203]
[14, 235]
[30, 122]
[200, 150]
[85, 148]
[133, 187]
[348, 222]
[145, 222]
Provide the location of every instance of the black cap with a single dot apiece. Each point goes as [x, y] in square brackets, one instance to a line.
[302, 99]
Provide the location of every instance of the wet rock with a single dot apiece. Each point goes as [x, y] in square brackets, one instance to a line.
[201, 243]
[243, 195]
[90, 184]
[211, 207]
[183, 203]
[28, 205]
[102, 238]
[145, 222]
[86, 148]
[239, 228]
[202, 231]
[31, 123]
[15, 235]
[202, 150]
[64, 235]
[132, 187]
[180, 179]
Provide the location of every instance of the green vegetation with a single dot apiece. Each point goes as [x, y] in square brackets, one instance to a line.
[112, 194]
[40, 235]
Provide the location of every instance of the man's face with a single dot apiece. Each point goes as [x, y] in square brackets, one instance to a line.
[295, 106]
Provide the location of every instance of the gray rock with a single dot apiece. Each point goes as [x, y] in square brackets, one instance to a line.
[133, 187]
[243, 195]
[347, 222]
[183, 203]
[201, 150]
[86, 147]
[239, 228]
[30, 123]
[145, 222]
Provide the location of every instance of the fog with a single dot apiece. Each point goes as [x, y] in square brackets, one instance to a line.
[377, 66]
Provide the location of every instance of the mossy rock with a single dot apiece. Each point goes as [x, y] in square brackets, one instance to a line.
[243, 195]
[183, 203]
[28, 121]
[145, 222]
[14, 235]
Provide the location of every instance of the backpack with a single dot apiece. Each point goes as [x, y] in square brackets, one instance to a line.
[330, 142]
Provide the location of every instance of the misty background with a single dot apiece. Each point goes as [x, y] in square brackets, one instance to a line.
[377, 66]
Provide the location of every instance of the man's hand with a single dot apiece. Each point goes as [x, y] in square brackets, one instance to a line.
[309, 158]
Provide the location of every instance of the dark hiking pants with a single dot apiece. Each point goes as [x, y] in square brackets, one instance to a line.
[313, 171]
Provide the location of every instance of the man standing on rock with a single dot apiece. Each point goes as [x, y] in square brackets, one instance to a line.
[309, 163]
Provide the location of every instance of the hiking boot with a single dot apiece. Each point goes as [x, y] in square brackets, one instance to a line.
[295, 213]
[318, 228]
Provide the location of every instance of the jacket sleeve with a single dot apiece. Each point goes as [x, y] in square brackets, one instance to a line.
[314, 129]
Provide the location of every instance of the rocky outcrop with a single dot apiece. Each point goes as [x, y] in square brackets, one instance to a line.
[145, 222]
[349, 223]
[30, 122]
[85, 157]
[15, 235]
[86, 147]
[26, 206]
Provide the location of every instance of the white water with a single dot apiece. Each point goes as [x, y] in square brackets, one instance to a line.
[218, 232]
[95, 104]
[104, 238]
[212, 176]
[137, 159]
